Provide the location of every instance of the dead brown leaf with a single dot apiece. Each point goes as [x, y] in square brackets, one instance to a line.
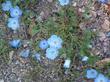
[103, 62]
[106, 25]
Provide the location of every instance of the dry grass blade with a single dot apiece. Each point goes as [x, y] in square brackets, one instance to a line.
[101, 63]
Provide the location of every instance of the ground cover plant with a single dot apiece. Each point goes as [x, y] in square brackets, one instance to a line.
[54, 41]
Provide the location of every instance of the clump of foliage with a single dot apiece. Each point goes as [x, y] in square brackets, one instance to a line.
[2, 47]
[66, 24]
[4, 50]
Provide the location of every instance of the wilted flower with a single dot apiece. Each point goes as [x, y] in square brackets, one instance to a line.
[25, 53]
[37, 56]
[16, 43]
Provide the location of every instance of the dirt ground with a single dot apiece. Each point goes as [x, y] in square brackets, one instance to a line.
[19, 69]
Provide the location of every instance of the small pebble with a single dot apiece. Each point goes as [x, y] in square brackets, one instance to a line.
[74, 4]
[67, 63]
[85, 58]
[1, 80]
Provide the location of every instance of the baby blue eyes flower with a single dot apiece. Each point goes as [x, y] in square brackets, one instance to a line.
[15, 12]
[64, 2]
[91, 74]
[108, 80]
[25, 53]
[43, 44]
[101, 78]
[67, 63]
[51, 53]
[15, 43]
[6, 6]
[37, 57]
[55, 42]
[13, 23]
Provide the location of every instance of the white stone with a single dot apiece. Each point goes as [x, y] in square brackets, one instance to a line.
[1, 80]
[85, 58]
[67, 63]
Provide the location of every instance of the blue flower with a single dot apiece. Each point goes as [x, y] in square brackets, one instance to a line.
[6, 6]
[25, 53]
[101, 78]
[43, 44]
[15, 12]
[51, 53]
[55, 41]
[67, 63]
[103, 1]
[91, 74]
[85, 58]
[64, 2]
[15, 43]
[37, 57]
[108, 80]
[13, 23]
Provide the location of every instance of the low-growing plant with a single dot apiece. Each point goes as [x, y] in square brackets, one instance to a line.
[4, 51]
[66, 24]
